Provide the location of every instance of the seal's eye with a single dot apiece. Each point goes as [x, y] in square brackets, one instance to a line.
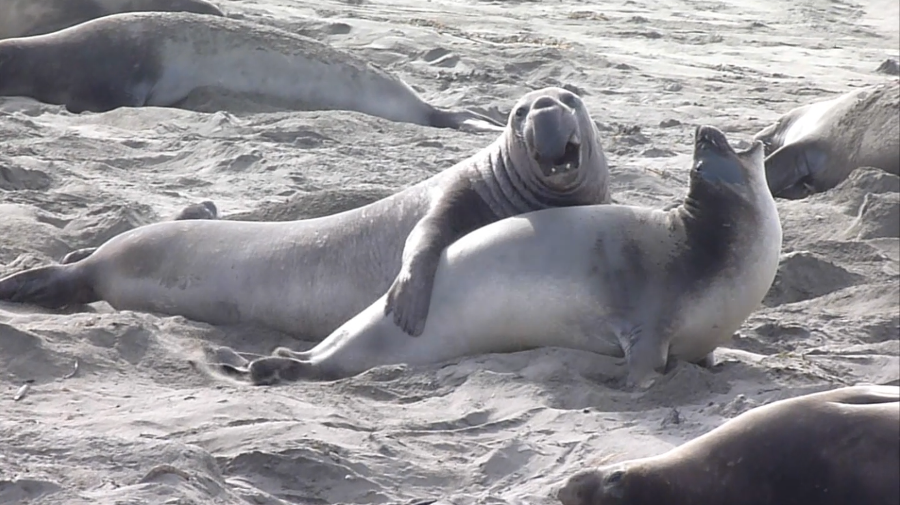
[570, 100]
[615, 477]
[520, 112]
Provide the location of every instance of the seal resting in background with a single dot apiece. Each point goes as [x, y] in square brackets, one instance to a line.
[24, 18]
[612, 279]
[838, 447]
[813, 148]
[203, 210]
[159, 58]
[307, 277]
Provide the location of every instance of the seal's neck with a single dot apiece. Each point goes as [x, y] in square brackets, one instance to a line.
[713, 217]
[511, 188]
[655, 480]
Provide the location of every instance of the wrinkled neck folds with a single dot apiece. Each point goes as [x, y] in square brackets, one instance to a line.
[510, 180]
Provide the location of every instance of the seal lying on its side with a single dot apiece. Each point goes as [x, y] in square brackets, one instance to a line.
[838, 447]
[602, 278]
[815, 147]
[203, 210]
[160, 58]
[308, 277]
[24, 18]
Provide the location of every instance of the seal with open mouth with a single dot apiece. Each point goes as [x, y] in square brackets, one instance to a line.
[308, 277]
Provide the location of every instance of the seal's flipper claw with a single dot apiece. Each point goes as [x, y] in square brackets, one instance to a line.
[646, 355]
[273, 369]
[409, 303]
[232, 371]
[223, 355]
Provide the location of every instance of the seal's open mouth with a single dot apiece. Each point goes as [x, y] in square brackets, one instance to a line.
[569, 160]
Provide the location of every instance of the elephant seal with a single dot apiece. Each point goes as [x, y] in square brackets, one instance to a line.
[160, 58]
[836, 447]
[307, 277]
[813, 148]
[24, 18]
[203, 210]
[611, 279]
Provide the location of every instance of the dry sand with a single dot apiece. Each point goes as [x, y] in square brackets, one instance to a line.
[137, 425]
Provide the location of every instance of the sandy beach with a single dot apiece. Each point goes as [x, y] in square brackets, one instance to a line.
[137, 424]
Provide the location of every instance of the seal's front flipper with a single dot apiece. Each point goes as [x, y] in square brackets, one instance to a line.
[273, 369]
[646, 355]
[52, 286]
[792, 169]
[409, 299]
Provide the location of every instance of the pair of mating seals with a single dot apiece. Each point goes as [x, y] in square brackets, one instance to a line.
[813, 148]
[838, 447]
[160, 58]
[308, 277]
[611, 279]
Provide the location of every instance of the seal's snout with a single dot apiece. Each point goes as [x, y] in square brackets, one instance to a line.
[710, 137]
[553, 137]
[581, 489]
[715, 161]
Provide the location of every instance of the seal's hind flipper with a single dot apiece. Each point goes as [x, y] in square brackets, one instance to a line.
[792, 169]
[274, 369]
[465, 120]
[52, 286]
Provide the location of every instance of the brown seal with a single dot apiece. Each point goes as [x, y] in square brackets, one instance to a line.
[838, 447]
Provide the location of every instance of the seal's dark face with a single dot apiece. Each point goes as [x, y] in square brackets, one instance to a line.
[10, 66]
[716, 162]
[548, 123]
[594, 487]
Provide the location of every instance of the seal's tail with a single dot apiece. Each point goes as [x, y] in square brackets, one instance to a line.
[51, 286]
[464, 120]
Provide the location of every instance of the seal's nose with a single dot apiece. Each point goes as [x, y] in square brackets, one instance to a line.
[552, 134]
[544, 102]
[579, 490]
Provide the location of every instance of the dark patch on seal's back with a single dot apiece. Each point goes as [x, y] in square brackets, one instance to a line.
[712, 217]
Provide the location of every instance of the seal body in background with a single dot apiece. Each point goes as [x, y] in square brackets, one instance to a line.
[24, 18]
[612, 279]
[307, 277]
[160, 58]
[813, 148]
[838, 447]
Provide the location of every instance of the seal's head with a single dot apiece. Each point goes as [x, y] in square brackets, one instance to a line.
[203, 210]
[554, 134]
[719, 169]
[600, 486]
